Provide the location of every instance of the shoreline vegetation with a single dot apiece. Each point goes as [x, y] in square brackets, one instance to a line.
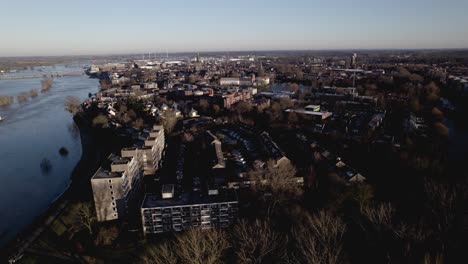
[25, 96]
[46, 85]
[22, 97]
[6, 100]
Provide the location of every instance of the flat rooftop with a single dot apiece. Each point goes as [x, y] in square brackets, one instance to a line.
[308, 112]
[121, 161]
[152, 200]
[102, 173]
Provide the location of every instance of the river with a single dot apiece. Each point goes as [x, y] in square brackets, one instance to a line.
[31, 132]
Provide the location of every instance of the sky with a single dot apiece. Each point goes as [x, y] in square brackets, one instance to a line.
[83, 27]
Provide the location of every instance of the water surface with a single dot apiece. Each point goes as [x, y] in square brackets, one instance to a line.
[33, 131]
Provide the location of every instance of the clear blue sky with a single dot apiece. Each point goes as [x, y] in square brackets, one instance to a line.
[46, 27]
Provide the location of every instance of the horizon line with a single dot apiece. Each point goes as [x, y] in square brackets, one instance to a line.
[238, 51]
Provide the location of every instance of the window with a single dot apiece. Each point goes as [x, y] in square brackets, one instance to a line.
[112, 192]
[112, 197]
[113, 203]
[113, 208]
[115, 215]
[110, 186]
[110, 181]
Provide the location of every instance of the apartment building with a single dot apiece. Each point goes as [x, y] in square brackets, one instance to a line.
[116, 188]
[229, 99]
[168, 212]
[117, 184]
[154, 148]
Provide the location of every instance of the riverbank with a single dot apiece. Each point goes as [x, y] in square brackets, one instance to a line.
[96, 144]
[81, 174]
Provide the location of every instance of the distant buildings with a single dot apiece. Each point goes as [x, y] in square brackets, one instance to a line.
[262, 80]
[311, 112]
[459, 84]
[229, 81]
[244, 81]
[336, 166]
[353, 60]
[221, 163]
[229, 99]
[193, 113]
[274, 151]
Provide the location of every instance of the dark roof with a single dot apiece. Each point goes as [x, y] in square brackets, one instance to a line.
[152, 200]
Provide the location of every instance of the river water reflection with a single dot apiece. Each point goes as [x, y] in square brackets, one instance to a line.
[31, 132]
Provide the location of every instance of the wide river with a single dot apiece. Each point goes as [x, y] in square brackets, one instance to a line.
[31, 132]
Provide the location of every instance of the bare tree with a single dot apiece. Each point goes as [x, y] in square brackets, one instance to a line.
[84, 217]
[410, 235]
[169, 120]
[363, 194]
[258, 242]
[106, 235]
[33, 93]
[277, 183]
[46, 85]
[441, 200]
[24, 96]
[437, 258]
[276, 177]
[319, 239]
[243, 107]
[162, 253]
[380, 216]
[6, 100]
[204, 104]
[201, 246]
[216, 109]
